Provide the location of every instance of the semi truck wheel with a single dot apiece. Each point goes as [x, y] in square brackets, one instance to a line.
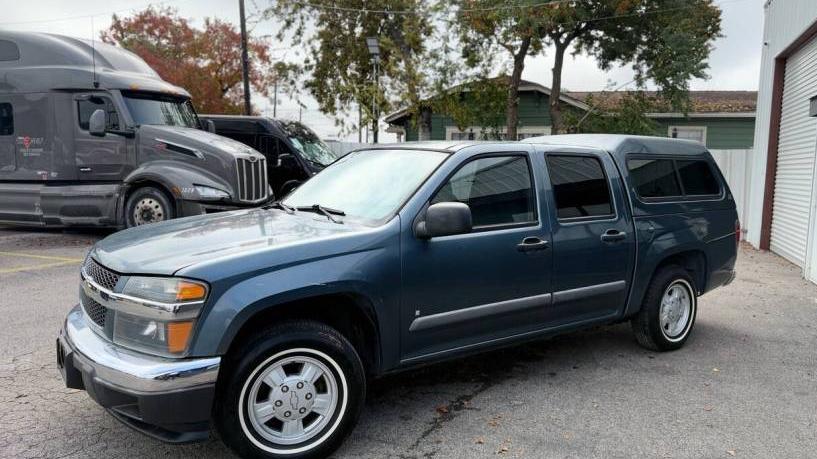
[294, 391]
[668, 311]
[147, 205]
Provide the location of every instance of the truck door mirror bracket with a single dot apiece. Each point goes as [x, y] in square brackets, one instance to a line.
[97, 123]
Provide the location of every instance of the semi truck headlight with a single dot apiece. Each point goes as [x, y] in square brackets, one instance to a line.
[160, 316]
[211, 194]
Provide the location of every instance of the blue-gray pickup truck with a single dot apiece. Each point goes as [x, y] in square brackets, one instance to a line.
[267, 323]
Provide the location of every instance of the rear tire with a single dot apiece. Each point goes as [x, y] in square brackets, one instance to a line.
[295, 390]
[668, 311]
[147, 205]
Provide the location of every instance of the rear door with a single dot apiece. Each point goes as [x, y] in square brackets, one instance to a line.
[593, 240]
[99, 158]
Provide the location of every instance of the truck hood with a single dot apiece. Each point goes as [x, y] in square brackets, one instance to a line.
[195, 140]
[166, 247]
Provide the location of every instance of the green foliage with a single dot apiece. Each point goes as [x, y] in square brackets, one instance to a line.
[626, 116]
[478, 103]
[339, 66]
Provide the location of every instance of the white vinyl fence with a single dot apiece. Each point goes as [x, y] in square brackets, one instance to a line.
[736, 168]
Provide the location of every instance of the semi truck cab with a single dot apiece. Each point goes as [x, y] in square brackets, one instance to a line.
[90, 135]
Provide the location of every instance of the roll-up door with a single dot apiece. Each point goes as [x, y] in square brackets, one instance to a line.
[795, 157]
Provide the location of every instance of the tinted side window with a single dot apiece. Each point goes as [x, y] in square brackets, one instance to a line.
[87, 107]
[498, 190]
[579, 187]
[654, 178]
[697, 178]
[6, 119]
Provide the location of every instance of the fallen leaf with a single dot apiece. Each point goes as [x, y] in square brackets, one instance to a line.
[442, 409]
[715, 370]
[502, 450]
[480, 440]
[707, 407]
[730, 452]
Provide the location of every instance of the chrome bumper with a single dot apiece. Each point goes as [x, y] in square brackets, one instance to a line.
[115, 366]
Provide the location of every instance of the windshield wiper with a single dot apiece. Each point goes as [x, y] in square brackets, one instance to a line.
[328, 211]
[280, 205]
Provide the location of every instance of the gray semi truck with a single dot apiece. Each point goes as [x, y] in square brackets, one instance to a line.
[90, 135]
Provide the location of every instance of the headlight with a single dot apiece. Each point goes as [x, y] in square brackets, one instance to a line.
[210, 194]
[159, 315]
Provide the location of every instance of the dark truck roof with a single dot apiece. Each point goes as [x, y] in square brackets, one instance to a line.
[39, 62]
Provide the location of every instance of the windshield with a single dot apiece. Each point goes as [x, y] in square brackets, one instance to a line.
[308, 144]
[370, 185]
[164, 110]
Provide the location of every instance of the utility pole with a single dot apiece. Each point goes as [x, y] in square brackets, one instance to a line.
[359, 123]
[373, 44]
[245, 60]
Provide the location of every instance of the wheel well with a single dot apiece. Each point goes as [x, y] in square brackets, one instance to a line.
[133, 186]
[346, 313]
[693, 261]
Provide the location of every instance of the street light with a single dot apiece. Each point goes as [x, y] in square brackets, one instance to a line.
[374, 51]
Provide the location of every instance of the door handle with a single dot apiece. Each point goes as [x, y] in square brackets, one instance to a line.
[530, 244]
[613, 235]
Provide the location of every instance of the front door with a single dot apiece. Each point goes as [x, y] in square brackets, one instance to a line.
[99, 158]
[463, 290]
[593, 240]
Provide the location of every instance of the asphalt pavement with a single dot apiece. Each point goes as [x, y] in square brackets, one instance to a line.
[745, 384]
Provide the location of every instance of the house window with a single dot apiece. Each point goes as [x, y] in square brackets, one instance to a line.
[484, 133]
[696, 133]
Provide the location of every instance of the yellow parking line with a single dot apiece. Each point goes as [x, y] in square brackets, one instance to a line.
[41, 257]
[36, 267]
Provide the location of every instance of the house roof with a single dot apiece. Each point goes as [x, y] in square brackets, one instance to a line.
[524, 86]
[702, 102]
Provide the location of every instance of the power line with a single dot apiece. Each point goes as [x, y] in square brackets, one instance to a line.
[412, 12]
[88, 16]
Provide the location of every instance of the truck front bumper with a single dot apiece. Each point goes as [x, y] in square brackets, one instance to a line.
[169, 399]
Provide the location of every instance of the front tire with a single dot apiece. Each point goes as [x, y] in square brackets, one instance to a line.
[147, 205]
[295, 390]
[668, 312]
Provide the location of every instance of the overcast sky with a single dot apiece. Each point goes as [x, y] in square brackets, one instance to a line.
[734, 63]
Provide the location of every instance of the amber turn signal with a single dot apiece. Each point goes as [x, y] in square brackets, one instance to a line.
[178, 335]
[190, 291]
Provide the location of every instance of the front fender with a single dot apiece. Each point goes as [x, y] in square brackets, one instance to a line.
[177, 178]
[371, 273]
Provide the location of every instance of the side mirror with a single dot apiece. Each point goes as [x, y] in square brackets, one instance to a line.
[210, 126]
[444, 219]
[97, 123]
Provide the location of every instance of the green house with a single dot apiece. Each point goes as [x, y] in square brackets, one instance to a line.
[723, 120]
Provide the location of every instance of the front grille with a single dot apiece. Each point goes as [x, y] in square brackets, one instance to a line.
[252, 179]
[101, 275]
[95, 311]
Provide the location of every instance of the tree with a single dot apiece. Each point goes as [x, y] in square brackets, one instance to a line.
[666, 42]
[487, 27]
[615, 113]
[340, 68]
[206, 62]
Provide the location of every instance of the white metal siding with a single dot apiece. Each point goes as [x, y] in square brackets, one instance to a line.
[795, 157]
[785, 20]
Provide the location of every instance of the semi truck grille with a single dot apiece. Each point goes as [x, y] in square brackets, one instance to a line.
[96, 312]
[252, 179]
[101, 275]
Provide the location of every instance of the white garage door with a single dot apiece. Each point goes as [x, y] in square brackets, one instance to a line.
[795, 157]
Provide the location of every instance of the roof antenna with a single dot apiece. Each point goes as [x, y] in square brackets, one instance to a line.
[93, 55]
